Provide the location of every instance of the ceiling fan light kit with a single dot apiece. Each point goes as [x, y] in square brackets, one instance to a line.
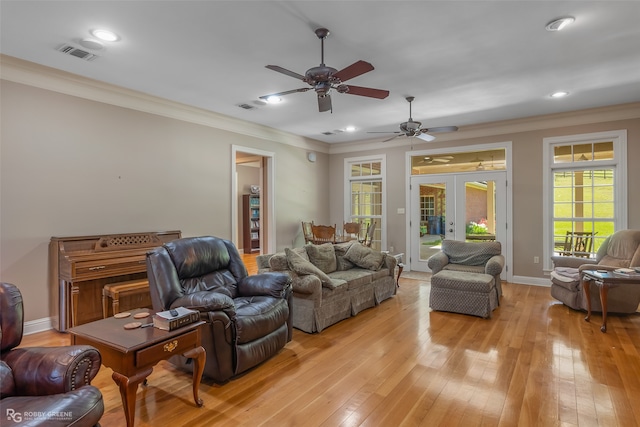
[412, 128]
[323, 78]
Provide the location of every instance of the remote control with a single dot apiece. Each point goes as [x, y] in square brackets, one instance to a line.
[173, 312]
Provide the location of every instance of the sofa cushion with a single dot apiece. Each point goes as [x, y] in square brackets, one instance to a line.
[303, 267]
[355, 277]
[322, 256]
[340, 250]
[365, 257]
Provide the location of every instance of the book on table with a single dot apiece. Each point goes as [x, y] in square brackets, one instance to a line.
[628, 272]
[181, 316]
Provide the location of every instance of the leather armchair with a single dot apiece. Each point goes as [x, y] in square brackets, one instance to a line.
[248, 318]
[44, 386]
[620, 250]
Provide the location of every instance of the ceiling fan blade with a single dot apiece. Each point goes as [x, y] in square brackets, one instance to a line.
[441, 129]
[285, 71]
[366, 91]
[393, 137]
[426, 137]
[324, 103]
[386, 132]
[287, 92]
[354, 70]
[441, 160]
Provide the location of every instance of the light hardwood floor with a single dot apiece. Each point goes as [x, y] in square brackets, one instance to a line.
[535, 363]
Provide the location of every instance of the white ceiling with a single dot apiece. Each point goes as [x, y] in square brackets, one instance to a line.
[465, 62]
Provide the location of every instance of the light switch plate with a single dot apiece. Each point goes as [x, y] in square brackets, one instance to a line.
[400, 211]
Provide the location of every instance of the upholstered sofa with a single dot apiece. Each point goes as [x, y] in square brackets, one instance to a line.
[621, 249]
[332, 282]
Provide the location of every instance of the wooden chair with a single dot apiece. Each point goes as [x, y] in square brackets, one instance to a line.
[307, 232]
[351, 230]
[578, 244]
[323, 234]
[368, 237]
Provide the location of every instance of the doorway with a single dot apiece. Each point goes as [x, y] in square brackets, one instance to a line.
[468, 207]
[261, 162]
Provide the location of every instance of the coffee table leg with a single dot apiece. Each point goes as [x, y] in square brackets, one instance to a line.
[128, 388]
[604, 290]
[199, 357]
[586, 284]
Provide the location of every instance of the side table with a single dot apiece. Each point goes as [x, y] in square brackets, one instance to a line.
[399, 264]
[133, 353]
[604, 280]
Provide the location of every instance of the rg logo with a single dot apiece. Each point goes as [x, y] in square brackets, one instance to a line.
[13, 415]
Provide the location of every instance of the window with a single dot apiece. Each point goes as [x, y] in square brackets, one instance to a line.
[364, 190]
[427, 207]
[585, 198]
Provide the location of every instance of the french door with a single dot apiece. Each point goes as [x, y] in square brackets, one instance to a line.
[467, 206]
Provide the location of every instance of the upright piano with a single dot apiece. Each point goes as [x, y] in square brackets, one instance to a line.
[80, 267]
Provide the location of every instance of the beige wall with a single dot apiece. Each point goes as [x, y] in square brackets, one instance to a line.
[527, 178]
[71, 166]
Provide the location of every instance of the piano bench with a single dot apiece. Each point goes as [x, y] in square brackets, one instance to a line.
[120, 289]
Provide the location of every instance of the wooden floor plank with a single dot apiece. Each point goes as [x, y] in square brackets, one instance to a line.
[535, 362]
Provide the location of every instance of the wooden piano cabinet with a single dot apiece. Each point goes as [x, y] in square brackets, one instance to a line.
[80, 267]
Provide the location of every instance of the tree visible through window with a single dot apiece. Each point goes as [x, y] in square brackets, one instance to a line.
[587, 203]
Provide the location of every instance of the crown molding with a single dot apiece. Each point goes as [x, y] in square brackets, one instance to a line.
[32, 74]
[527, 124]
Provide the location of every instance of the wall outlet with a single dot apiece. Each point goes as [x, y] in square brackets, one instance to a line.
[536, 260]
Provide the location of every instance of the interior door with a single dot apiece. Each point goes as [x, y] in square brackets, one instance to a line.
[467, 207]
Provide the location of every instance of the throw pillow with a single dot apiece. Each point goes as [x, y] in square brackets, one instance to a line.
[365, 257]
[341, 250]
[322, 256]
[278, 262]
[303, 267]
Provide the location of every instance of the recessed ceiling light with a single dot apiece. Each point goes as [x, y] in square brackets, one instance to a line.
[106, 35]
[350, 128]
[274, 99]
[560, 94]
[559, 24]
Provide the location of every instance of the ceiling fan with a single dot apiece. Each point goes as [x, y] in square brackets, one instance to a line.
[411, 128]
[322, 79]
[427, 160]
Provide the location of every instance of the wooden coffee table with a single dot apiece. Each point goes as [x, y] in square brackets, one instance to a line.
[133, 353]
[604, 280]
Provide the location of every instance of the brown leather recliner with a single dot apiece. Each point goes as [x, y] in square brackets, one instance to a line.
[248, 317]
[47, 386]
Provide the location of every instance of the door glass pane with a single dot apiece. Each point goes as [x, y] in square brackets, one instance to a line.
[432, 218]
[480, 202]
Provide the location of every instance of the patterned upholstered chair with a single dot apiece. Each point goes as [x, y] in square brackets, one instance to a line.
[621, 249]
[466, 277]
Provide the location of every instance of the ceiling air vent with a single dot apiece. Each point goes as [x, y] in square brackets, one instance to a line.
[78, 53]
[327, 133]
[246, 106]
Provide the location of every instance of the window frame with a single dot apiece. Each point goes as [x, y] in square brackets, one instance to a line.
[618, 164]
[382, 177]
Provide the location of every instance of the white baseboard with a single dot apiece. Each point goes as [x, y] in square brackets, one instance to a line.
[38, 325]
[535, 281]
